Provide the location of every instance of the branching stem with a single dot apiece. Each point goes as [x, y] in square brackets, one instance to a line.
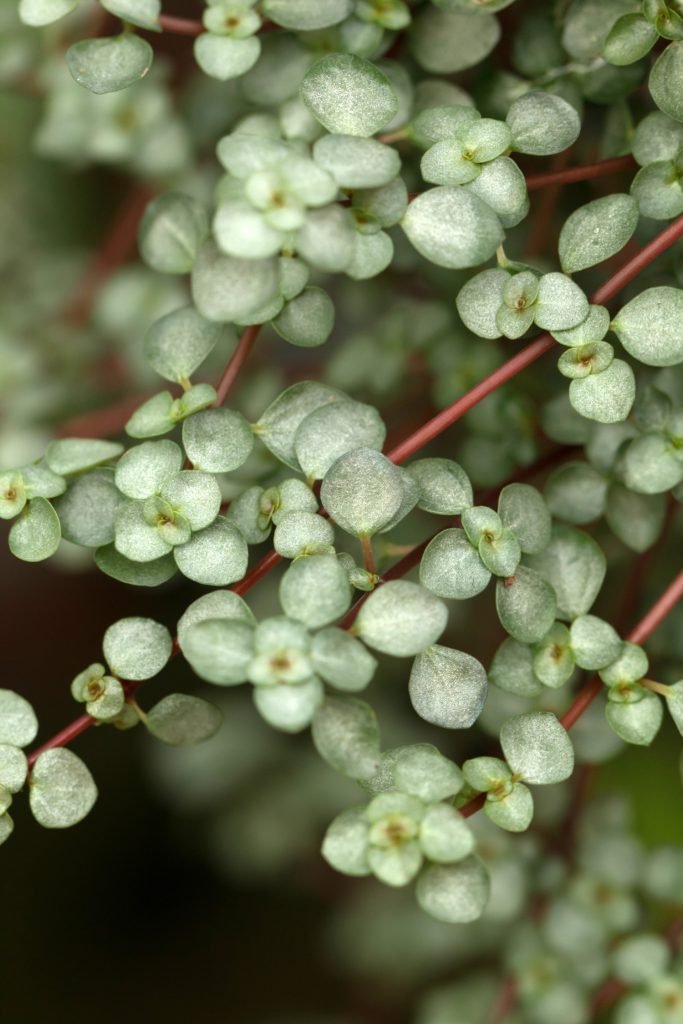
[647, 625]
[533, 351]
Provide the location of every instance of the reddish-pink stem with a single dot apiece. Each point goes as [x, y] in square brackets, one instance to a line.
[260, 570]
[63, 738]
[236, 362]
[581, 173]
[428, 431]
[180, 26]
[647, 625]
[659, 611]
[443, 420]
[534, 350]
[664, 240]
[70, 732]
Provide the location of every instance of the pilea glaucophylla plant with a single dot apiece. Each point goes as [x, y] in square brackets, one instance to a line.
[333, 179]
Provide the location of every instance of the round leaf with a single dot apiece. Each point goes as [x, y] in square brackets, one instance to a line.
[650, 327]
[443, 486]
[315, 590]
[333, 430]
[182, 720]
[342, 660]
[665, 81]
[523, 510]
[542, 123]
[537, 748]
[144, 469]
[306, 15]
[447, 687]
[135, 538]
[13, 767]
[73, 455]
[479, 301]
[560, 304]
[218, 604]
[88, 509]
[217, 440]
[526, 605]
[444, 836]
[514, 812]
[349, 95]
[307, 320]
[451, 566]
[219, 650]
[144, 13]
[630, 39]
[596, 231]
[420, 770]
[228, 289]
[574, 565]
[36, 533]
[355, 162]
[44, 12]
[215, 556]
[452, 228]
[346, 842]
[455, 893]
[303, 533]
[137, 648]
[289, 708]
[605, 397]
[224, 57]
[18, 722]
[138, 574]
[195, 496]
[594, 643]
[346, 735]
[401, 618]
[576, 493]
[62, 790]
[636, 723]
[109, 64]
[178, 343]
[445, 42]
[278, 425]
[362, 491]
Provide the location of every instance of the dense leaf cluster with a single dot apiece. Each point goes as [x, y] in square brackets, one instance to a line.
[350, 154]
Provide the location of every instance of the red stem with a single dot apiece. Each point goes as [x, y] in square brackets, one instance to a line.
[647, 625]
[669, 599]
[236, 362]
[69, 733]
[180, 26]
[647, 254]
[260, 570]
[447, 417]
[666, 603]
[444, 419]
[533, 351]
[582, 173]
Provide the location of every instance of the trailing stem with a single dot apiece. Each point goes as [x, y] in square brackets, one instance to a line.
[534, 350]
[436, 426]
[236, 362]
[647, 625]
